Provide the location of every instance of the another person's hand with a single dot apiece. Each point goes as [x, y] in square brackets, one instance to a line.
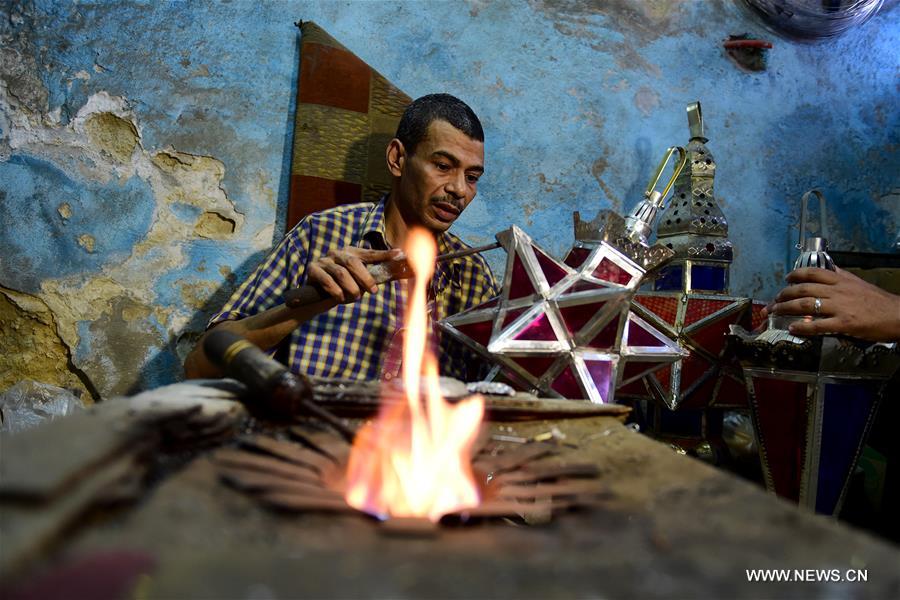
[847, 305]
[343, 273]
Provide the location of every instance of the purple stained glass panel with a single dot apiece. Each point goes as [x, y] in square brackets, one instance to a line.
[539, 330]
[601, 374]
[638, 336]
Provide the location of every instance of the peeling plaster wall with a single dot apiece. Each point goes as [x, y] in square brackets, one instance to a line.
[145, 147]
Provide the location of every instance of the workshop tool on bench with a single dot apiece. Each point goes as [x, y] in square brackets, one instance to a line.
[382, 272]
[283, 393]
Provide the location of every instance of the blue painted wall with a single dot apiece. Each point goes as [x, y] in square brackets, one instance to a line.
[578, 99]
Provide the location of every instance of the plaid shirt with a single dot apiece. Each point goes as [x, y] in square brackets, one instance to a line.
[350, 341]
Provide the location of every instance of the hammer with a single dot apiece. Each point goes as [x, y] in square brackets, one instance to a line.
[382, 272]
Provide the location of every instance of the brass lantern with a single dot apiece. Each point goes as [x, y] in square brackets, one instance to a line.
[692, 305]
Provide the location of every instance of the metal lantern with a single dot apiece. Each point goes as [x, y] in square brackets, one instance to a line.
[565, 329]
[691, 303]
[812, 399]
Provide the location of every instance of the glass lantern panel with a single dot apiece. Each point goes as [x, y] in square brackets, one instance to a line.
[669, 279]
[711, 337]
[638, 336]
[576, 257]
[479, 332]
[699, 308]
[566, 385]
[520, 284]
[539, 330]
[603, 376]
[608, 336]
[536, 365]
[692, 368]
[664, 307]
[732, 392]
[551, 269]
[781, 424]
[511, 315]
[702, 395]
[576, 317]
[845, 419]
[608, 270]
[709, 278]
[664, 377]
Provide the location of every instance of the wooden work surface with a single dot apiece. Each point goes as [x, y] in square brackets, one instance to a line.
[669, 527]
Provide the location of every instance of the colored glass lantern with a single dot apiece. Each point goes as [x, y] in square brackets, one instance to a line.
[565, 329]
[812, 399]
[690, 302]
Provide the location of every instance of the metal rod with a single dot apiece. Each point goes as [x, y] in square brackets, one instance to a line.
[466, 252]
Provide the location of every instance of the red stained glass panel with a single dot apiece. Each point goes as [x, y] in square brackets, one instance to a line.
[551, 269]
[576, 257]
[536, 365]
[711, 337]
[633, 369]
[511, 315]
[607, 337]
[520, 284]
[608, 270]
[699, 308]
[567, 385]
[781, 426]
[480, 332]
[576, 317]
[692, 368]
[666, 308]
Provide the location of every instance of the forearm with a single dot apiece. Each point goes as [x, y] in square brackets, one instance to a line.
[891, 331]
[266, 330]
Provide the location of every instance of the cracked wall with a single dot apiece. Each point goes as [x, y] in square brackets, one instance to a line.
[142, 177]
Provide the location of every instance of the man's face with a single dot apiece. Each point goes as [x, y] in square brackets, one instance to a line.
[440, 179]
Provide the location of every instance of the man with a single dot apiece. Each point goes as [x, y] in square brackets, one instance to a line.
[847, 304]
[435, 162]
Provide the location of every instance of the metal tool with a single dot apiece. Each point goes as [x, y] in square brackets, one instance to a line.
[281, 392]
[382, 272]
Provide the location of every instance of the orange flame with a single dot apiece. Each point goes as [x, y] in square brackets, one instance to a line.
[415, 461]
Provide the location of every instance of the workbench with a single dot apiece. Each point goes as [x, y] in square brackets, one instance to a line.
[669, 526]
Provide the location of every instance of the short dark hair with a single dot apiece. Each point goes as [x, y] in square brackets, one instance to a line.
[434, 107]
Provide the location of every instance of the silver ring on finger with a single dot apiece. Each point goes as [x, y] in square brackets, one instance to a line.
[817, 306]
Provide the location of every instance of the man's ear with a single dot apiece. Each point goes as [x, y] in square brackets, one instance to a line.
[396, 157]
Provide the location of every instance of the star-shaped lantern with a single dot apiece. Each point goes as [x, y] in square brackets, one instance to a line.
[566, 330]
[560, 331]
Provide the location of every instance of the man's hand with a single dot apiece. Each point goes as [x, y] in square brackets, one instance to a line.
[847, 305]
[343, 273]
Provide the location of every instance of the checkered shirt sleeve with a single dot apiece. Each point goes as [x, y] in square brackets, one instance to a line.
[284, 268]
